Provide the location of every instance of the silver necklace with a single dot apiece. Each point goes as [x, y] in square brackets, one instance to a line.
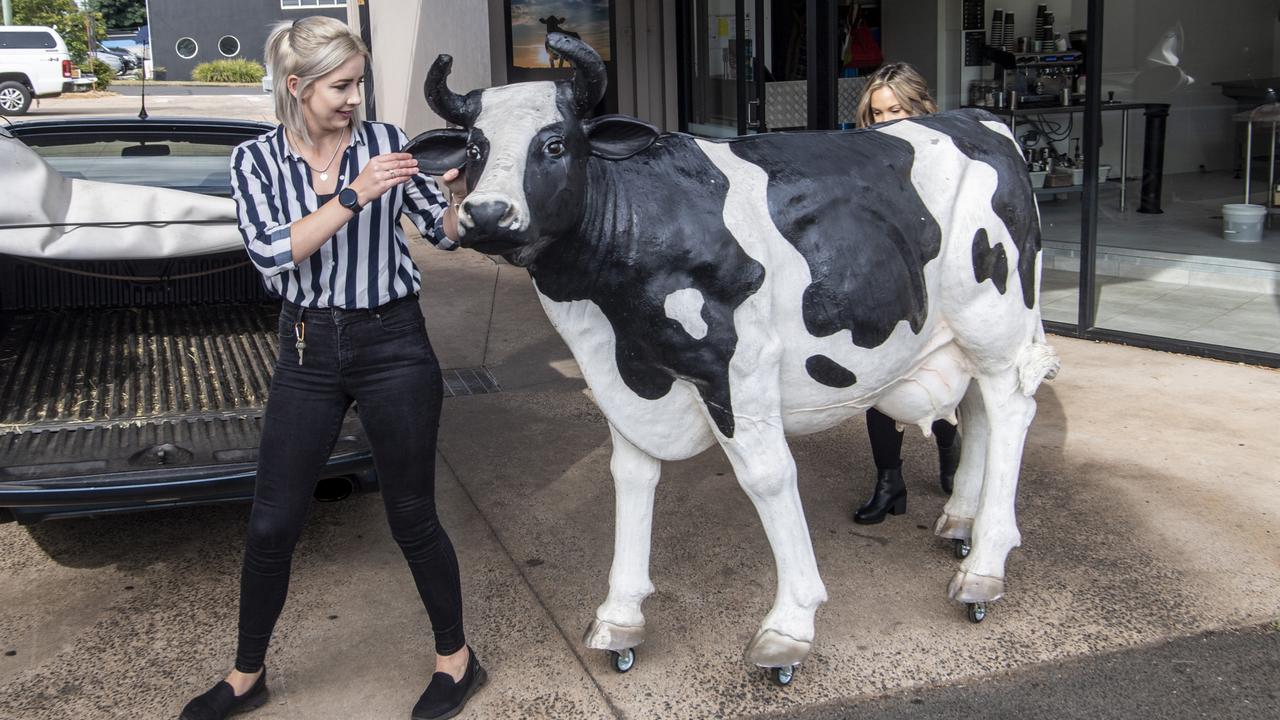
[324, 172]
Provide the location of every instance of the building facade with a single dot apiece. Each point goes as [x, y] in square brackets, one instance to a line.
[186, 33]
[1134, 117]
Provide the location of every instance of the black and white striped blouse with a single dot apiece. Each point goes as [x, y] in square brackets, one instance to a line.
[366, 263]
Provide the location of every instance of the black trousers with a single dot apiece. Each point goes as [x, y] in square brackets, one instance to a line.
[382, 360]
[886, 438]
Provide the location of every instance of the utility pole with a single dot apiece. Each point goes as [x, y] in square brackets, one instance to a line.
[8, 12]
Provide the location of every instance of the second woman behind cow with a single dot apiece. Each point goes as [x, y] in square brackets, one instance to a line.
[893, 92]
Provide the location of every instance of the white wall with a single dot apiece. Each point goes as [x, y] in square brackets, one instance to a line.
[407, 35]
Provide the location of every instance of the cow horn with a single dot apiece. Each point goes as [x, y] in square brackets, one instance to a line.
[446, 103]
[589, 77]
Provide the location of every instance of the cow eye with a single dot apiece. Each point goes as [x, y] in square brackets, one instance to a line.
[473, 152]
[554, 147]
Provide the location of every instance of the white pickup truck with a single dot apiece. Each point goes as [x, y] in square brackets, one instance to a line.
[34, 62]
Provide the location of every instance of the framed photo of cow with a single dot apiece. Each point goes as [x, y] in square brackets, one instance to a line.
[529, 21]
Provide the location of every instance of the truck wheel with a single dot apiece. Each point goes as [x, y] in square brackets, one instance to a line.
[15, 98]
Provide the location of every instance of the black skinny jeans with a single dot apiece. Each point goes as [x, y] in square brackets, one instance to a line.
[886, 438]
[382, 360]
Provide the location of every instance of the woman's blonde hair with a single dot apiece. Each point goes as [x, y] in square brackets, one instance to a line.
[905, 82]
[310, 48]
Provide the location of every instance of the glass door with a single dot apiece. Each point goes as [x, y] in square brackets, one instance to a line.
[722, 67]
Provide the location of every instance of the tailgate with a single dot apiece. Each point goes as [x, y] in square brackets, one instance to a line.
[123, 396]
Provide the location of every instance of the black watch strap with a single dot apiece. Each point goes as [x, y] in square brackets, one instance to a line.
[349, 200]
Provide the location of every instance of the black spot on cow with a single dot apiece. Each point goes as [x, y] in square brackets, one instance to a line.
[829, 372]
[846, 202]
[653, 225]
[1012, 201]
[989, 263]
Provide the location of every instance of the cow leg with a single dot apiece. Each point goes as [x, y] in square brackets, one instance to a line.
[995, 530]
[767, 472]
[956, 520]
[619, 622]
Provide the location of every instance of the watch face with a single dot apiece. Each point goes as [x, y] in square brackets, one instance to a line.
[348, 198]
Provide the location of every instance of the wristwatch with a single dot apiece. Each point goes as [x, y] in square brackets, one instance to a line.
[349, 199]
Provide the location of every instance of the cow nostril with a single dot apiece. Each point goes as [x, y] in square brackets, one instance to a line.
[491, 213]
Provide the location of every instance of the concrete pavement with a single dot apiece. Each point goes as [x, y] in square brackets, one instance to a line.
[1148, 508]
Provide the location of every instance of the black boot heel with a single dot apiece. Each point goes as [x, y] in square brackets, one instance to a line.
[948, 463]
[889, 497]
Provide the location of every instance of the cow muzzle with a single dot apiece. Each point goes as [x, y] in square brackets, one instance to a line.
[491, 224]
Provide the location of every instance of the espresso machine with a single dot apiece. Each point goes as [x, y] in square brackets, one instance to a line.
[1037, 79]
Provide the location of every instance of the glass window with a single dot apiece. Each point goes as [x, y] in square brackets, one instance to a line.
[27, 40]
[229, 46]
[1193, 253]
[186, 48]
[1009, 63]
[194, 163]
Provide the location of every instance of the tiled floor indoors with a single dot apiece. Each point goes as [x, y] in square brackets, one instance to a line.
[1170, 274]
[1240, 319]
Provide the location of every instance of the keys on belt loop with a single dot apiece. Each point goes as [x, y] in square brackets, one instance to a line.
[300, 332]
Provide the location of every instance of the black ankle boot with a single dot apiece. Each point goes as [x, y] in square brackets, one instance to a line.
[889, 498]
[221, 701]
[948, 461]
[445, 697]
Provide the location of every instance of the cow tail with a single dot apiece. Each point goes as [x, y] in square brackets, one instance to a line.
[1037, 361]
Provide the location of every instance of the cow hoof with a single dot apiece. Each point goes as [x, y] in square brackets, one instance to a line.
[772, 649]
[604, 635]
[953, 527]
[969, 587]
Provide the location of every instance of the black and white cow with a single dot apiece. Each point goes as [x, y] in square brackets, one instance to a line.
[734, 292]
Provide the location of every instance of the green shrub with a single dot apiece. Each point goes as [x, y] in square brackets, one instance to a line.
[103, 72]
[238, 70]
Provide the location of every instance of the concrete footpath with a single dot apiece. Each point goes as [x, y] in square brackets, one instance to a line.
[1148, 581]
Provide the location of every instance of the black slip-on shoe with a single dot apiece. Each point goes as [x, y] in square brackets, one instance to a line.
[222, 702]
[445, 697]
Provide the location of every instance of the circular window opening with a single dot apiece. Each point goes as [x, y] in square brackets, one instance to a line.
[229, 46]
[186, 48]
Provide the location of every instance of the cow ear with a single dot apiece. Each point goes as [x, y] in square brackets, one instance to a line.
[438, 151]
[618, 137]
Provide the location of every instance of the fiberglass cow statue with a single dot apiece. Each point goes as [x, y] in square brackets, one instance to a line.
[734, 292]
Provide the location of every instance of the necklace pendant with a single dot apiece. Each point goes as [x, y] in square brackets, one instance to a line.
[324, 176]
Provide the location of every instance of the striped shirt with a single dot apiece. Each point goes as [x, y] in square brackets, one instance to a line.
[366, 263]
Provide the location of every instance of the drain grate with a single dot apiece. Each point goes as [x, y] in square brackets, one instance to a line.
[459, 382]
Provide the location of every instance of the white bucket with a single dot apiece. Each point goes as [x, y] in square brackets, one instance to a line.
[1242, 223]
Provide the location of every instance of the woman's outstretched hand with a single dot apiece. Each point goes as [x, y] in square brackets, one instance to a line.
[382, 173]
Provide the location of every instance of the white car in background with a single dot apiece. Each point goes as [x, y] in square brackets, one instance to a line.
[34, 62]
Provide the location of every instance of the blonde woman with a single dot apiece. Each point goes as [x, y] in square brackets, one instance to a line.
[319, 200]
[893, 92]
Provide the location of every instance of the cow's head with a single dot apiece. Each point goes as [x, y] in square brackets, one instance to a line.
[525, 149]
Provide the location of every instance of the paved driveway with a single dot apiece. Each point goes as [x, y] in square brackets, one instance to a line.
[1148, 508]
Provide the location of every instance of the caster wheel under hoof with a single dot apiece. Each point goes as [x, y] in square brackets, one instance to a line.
[622, 660]
[960, 548]
[782, 676]
[977, 612]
